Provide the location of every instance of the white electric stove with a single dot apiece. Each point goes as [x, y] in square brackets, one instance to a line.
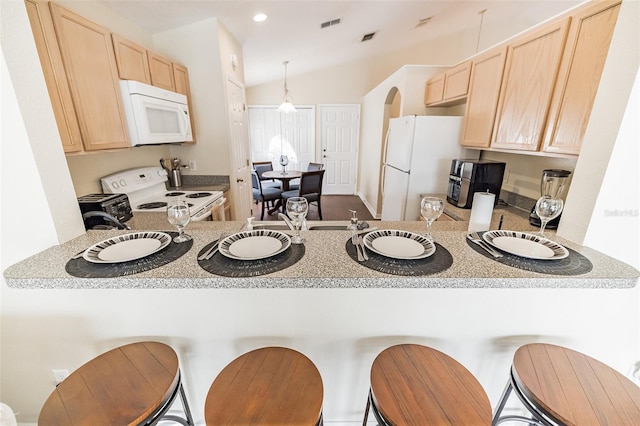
[146, 189]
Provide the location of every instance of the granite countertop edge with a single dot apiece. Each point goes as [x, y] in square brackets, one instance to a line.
[265, 282]
[319, 268]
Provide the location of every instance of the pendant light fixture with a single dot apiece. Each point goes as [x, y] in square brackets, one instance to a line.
[286, 106]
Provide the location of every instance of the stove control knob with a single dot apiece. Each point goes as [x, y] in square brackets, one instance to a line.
[123, 182]
[115, 185]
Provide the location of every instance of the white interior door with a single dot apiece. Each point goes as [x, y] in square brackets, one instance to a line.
[274, 133]
[340, 128]
[240, 151]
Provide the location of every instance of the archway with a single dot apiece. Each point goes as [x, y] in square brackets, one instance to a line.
[391, 110]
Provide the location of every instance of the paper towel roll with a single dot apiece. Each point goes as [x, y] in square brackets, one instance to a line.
[481, 211]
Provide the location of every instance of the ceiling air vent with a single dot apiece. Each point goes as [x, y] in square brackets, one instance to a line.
[423, 21]
[368, 37]
[330, 23]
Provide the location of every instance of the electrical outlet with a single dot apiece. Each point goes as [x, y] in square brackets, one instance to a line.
[192, 165]
[60, 375]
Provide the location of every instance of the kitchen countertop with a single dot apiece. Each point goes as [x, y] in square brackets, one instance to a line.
[324, 265]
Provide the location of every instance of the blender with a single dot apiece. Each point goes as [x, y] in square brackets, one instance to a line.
[552, 185]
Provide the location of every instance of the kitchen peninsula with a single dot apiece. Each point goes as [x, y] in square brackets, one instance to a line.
[336, 311]
[325, 264]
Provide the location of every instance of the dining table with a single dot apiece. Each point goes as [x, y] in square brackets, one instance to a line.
[284, 177]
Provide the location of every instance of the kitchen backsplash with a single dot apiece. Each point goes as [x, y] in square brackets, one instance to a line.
[204, 180]
[86, 170]
[524, 172]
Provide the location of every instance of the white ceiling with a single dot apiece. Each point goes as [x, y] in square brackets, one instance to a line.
[292, 31]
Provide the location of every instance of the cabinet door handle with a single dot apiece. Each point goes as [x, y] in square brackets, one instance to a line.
[238, 180]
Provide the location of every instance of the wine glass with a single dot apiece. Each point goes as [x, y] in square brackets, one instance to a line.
[547, 209]
[297, 208]
[284, 160]
[431, 209]
[178, 215]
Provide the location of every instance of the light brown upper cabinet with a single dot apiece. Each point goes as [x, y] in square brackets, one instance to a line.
[161, 70]
[181, 78]
[584, 57]
[450, 87]
[529, 78]
[54, 74]
[435, 90]
[132, 60]
[89, 60]
[482, 101]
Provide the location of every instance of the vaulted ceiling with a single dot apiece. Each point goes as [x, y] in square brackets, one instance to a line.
[293, 29]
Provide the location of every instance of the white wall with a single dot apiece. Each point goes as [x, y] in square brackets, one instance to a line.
[341, 330]
[197, 47]
[373, 125]
[26, 73]
[603, 134]
[616, 213]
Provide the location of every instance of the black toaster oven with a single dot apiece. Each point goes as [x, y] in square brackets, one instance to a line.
[115, 206]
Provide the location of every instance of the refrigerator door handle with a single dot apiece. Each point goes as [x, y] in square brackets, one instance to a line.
[384, 172]
[385, 147]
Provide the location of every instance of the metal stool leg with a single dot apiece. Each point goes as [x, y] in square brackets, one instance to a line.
[366, 411]
[538, 418]
[160, 415]
[371, 405]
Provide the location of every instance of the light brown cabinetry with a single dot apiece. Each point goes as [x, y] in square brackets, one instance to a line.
[132, 60]
[54, 74]
[450, 87]
[579, 76]
[161, 70]
[482, 101]
[89, 60]
[434, 90]
[181, 78]
[528, 81]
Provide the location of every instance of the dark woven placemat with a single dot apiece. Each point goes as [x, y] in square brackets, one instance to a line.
[439, 261]
[82, 269]
[227, 267]
[574, 264]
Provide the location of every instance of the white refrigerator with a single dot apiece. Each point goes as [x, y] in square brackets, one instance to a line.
[417, 160]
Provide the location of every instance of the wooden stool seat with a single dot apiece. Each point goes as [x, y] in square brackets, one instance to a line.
[130, 385]
[267, 386]
[562, 386]
[418, 385]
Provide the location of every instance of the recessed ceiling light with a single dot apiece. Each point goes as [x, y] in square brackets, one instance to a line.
[260, 17]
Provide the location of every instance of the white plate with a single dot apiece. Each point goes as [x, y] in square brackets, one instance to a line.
[253, 245]
[399, 244]
[127, 247]
[526, 245]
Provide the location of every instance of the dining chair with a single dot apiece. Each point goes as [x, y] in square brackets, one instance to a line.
[265, 166]
[315, 166]
[311, 167]
[418, 385]
[262, 194]
[310, 188]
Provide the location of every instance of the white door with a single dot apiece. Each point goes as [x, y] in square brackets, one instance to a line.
[241, 193]
[340, 133]
[274, 133]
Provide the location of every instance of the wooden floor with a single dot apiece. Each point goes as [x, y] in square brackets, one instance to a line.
[334, 207]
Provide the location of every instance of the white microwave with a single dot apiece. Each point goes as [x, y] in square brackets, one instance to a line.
[154, 115]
